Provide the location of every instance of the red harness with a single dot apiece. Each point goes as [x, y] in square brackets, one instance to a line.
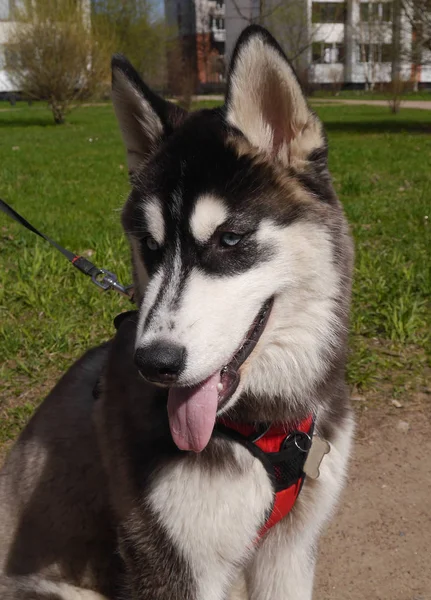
[283, 450]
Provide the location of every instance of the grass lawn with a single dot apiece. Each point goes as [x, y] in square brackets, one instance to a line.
[71, 182]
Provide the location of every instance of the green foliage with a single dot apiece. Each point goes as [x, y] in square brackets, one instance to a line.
[56, 55]
[380, 163]
[139, 33]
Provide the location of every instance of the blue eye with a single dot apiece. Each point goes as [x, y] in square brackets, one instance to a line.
[151, 243]
[230, 239]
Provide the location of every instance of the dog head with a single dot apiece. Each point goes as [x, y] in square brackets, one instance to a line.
[237, 239]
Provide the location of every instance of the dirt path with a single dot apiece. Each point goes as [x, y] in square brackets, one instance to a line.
[378, 546]
[420, 104]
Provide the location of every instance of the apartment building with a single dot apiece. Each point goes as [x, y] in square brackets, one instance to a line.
[336, 42]
[6, 7]
[353, 42]
[201, 28]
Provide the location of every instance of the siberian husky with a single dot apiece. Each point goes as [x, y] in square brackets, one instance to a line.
[242, 263]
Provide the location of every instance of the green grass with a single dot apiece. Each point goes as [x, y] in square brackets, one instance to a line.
[71, 182]
[380, 163]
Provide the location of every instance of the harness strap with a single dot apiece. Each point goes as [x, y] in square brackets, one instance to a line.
[283, 451]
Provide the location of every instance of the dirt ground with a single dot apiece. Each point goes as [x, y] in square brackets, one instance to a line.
[419, 104]
[378, 545]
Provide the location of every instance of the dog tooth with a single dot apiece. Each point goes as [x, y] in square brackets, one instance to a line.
[220, 386]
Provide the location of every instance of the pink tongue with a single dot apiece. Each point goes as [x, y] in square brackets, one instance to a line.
[192, 413]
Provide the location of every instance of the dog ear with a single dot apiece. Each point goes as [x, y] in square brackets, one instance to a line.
[264, 100]
[144, 117]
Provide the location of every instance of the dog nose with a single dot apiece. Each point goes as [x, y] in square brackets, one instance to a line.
[160, 362]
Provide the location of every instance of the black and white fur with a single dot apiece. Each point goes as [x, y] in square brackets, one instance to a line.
[158, 523]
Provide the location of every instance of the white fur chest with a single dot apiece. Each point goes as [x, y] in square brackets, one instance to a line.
[212, 514]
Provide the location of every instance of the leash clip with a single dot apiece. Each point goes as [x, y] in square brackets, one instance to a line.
[109, 281]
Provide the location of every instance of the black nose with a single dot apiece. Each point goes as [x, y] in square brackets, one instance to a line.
[161, 362]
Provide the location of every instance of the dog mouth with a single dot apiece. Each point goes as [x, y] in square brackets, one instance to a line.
[192, 410]
[229, 374]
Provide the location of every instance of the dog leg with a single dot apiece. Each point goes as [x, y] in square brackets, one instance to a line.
[239, 589]
[283, 568]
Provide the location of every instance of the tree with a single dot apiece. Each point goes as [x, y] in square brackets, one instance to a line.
[182, 72]
[209, 50]
[289, 22]
[56, 55]
[418, 17]
[139, 33]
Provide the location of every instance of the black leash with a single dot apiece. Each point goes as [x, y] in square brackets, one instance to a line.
[100, 277]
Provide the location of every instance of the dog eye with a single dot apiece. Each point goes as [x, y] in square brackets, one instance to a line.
[229, 239]
[151, 243]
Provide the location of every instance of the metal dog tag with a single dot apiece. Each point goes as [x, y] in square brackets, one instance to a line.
[315, 456]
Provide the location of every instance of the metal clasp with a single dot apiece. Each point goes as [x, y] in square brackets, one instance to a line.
[298, 436]
[109, 281]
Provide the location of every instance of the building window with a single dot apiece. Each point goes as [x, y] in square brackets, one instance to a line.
[386, 12]
[179, 16]
[216, 23]
[340, 54]
[386, 53]
[329, 54]
[367, 11]
[5, 9]
[375, 53]
[316, 52]
[328, 12]
[364, 53]
[376, 11]
[11, 57]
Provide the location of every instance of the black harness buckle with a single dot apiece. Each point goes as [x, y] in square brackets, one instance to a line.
[285, 467]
